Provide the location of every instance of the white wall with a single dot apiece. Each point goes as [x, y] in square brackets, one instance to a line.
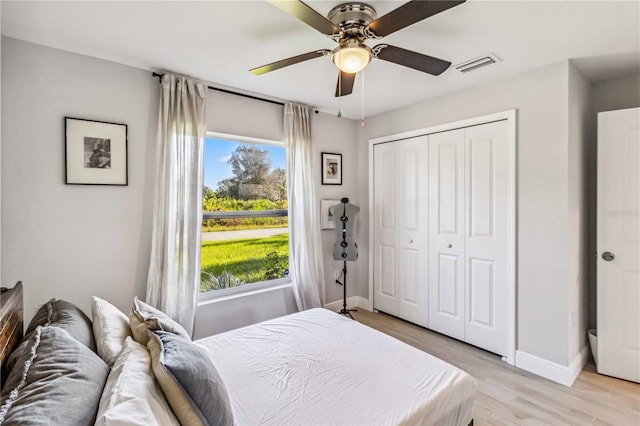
[73, 241]
[540, 96]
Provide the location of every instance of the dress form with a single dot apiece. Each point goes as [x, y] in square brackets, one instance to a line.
[345, 247]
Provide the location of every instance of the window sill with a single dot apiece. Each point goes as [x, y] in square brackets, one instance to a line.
[242, 291]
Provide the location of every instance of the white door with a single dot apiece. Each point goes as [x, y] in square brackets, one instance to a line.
[400, 229]
[446, 233]
[486, 231]
[618, 242]
[385, 224]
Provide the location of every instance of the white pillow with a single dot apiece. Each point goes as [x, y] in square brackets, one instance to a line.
[132, 395]
[110, 328]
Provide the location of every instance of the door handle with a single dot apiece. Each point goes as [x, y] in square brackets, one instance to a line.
[608, 256]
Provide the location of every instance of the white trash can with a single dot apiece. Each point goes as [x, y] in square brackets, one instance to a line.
[593, 342]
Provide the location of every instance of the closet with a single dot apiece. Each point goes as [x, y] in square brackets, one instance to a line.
[441, 231]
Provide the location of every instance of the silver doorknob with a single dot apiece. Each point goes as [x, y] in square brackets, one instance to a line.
[449, 245]
[608, 256]
[410, 241]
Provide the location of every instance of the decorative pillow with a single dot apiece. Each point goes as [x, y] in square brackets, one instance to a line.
[132, 396]
[66, 315]
[56, 381]
[189, 380]
[145, 317]
[110, 329]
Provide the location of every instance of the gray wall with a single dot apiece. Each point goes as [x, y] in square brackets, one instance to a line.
[0, 143]
[618, 93]
[340, 135]
[71, 241]
[540, 96]
[581, 197]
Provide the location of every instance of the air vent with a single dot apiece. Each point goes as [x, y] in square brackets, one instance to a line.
[477, 63]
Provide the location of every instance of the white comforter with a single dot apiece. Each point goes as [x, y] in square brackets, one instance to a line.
[317, 367]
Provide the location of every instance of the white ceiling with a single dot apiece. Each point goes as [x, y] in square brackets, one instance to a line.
[219, 41]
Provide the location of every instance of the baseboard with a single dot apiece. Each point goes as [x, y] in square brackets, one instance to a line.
[352, 302]
[578, 363]
[565, 375]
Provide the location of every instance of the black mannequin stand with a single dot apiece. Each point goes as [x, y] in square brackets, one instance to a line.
[344, 310]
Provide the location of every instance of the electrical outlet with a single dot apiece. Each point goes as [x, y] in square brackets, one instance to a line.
[336, 274]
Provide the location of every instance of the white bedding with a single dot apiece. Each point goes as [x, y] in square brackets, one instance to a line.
[318, 367]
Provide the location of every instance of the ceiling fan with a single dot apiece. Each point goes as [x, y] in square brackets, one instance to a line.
[350, 25]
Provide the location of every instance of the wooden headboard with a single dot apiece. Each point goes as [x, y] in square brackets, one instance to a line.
[11, 328]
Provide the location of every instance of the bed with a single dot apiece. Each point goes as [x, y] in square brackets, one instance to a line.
[312, 367]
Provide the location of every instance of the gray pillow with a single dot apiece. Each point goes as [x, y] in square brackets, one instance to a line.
[66, 315]
[56, 381]
[189, 380]
[145, 317]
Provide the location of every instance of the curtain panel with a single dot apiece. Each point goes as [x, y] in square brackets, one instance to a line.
[174, 271]
[305, 246]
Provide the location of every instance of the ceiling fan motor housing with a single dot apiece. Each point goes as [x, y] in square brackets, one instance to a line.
[352, 18]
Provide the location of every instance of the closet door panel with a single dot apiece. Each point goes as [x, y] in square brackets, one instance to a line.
[412, 156]
[387, 271]
[481, 292]
[486, 246]
[385, 284]
[446, 233]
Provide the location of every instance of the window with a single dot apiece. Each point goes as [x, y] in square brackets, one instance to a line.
[245, 237]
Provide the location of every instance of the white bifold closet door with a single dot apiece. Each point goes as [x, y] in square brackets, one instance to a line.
[401, 229]
[468, 250]
[446, 233]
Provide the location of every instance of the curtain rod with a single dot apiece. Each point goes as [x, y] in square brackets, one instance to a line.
[159, 76]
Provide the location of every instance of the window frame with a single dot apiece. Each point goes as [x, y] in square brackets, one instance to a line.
[257, 286]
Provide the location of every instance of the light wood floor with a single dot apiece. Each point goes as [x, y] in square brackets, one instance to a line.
[507, 395]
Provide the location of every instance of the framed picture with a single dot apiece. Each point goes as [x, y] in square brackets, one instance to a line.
[326, 217]
[331, 168]
[95, 152]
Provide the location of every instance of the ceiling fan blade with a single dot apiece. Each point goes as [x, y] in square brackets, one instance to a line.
[410, 59]
[307, 15]
[289, 61]
[407, 14]
[345, 87]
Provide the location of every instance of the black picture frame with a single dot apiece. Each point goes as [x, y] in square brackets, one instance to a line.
[331, 168]
[96, 152]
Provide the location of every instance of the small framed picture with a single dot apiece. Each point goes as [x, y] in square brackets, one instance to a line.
[326, 217]
[331, 168]
[95, 152]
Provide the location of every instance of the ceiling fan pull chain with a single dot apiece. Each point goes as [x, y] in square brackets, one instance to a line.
[339, 91]
[362, 100]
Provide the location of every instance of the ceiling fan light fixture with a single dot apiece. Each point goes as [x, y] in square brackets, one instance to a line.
[352, 59]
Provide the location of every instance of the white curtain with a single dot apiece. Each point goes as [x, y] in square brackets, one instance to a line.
[305, 247]
[174, 272]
